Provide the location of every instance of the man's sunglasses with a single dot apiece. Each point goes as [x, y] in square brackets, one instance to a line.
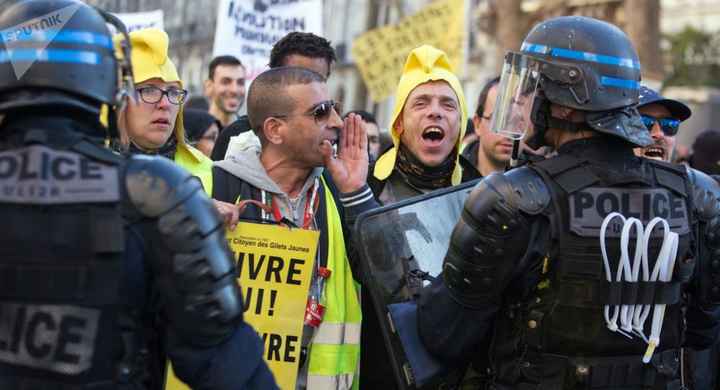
[152, 94]
[669, 126]
[320, 111]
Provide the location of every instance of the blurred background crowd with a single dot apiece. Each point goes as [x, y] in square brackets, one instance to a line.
[678, 43]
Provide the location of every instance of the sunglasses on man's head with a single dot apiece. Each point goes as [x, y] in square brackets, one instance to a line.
[669, 126]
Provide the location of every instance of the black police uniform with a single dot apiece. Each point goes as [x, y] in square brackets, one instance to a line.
[535, 266]
[526, 252]
[107, 264]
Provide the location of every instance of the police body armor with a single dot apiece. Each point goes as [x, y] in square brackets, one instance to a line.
[61, 265]
[94, 245]
[66, 317]
[558, 337]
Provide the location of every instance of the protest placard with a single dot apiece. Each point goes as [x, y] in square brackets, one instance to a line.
[248, 29]
[380, 53]
[275, 265]
[139, 20]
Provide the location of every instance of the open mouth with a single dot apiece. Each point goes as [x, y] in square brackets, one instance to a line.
[433, 135]
[333, 141]
[161, 121]
[333, 145]
[655, 152]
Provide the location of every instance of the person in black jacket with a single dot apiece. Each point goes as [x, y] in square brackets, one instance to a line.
[427, 126]
[109, 265]
[535, 260]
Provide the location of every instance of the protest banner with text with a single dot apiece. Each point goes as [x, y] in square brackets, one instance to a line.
[140, 20]
[248, 29]
[380, 53]
[275, 264]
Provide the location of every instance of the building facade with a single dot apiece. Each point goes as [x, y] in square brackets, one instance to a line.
[191, 27]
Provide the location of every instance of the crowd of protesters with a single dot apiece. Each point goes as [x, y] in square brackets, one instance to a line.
[297, 158]
[431, 142]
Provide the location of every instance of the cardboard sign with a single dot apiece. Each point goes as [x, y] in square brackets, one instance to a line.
[380, 54]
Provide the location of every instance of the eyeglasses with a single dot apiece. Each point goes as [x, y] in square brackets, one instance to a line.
[669, 126]
[320, 111]
[152, 94]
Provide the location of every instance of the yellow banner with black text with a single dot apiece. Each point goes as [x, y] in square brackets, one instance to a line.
[380, 53]
[275, 265]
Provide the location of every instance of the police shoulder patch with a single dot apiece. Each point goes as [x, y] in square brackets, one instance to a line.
[40, 175]
[590, 206]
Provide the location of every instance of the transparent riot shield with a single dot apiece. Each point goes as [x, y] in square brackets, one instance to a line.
[401, 248]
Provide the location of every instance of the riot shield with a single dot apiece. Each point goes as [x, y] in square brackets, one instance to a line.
[401, 248]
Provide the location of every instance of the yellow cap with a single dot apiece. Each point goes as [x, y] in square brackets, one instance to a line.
[424, 64]
[149, 58]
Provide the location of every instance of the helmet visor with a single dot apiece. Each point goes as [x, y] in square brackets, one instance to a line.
[516, 93]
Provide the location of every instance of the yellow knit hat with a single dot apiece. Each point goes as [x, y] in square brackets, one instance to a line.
[424, 64]
[149, 58]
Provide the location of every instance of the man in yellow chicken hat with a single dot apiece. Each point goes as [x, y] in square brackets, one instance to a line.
[153, 124]
[427, 126]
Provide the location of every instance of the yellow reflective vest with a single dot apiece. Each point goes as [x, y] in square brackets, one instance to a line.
[196, 163]
[334, 354]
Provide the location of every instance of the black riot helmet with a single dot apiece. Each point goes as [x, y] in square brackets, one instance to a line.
[576, 62]
[59, 54]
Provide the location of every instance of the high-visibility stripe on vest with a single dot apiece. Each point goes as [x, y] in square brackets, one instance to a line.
[196, 163]
[335, 349]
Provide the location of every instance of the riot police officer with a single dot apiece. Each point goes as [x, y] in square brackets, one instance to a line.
[106, 264]
[580, 297]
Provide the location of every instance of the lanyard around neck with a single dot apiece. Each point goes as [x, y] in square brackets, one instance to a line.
[311, 205]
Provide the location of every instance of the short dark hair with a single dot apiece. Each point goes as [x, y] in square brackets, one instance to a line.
[366, 116]
[199, 102]
[222, 60]
[304, 44]
[268, 96]
[482, 99]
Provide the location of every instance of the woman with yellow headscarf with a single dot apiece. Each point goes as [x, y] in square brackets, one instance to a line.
[153, 124]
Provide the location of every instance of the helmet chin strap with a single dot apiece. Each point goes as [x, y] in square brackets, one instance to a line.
[542, 120]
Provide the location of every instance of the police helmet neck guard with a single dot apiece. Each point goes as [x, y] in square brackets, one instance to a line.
[60, 54]
[577, 62]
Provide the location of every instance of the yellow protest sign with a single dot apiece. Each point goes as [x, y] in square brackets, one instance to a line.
[380, 53]
[275, 264]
